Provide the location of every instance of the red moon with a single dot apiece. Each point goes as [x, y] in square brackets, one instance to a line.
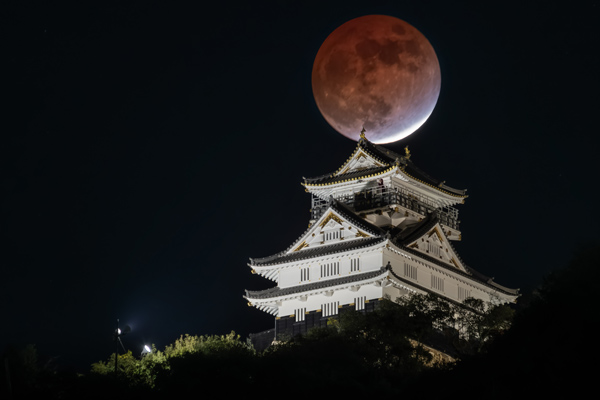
[376, 72]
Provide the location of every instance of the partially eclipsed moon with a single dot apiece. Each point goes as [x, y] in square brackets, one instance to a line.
[376, 72]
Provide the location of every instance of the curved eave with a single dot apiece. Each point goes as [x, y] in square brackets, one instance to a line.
[276, 293]
[339, 179]
[254, 262]
[270, 308]
[385, 157]
[470, 274]
[404, 161]
[438, 188]
[317, 253]
[415, 287]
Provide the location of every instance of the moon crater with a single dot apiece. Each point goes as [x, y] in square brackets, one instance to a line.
[376, 72]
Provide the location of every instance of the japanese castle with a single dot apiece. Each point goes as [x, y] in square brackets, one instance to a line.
[379, 228]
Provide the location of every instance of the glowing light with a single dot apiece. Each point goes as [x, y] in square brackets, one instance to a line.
[147, 349]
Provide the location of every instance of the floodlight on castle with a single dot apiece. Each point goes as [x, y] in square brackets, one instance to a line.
[379, 228]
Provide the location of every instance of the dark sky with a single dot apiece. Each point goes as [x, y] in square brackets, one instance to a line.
[148, 150]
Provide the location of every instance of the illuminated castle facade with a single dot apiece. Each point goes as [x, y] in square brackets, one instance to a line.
[379, 227]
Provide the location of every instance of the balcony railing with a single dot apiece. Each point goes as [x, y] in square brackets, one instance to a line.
[379, 197]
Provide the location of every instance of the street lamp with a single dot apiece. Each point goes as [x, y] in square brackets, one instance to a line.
[117, 337]
[146, 350]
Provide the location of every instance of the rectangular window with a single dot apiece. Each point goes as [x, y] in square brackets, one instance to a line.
[463, 293]
[410, 271]
[300, 314]
[331, 235]
[330, 269]
[433, 249]
[359, 303]
[437, 283]
[304, 274]
[329, 309]
[354, 264]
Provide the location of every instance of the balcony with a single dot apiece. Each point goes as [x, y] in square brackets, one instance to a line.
[380, 197]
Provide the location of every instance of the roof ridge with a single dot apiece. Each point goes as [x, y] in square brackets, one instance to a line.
[417, 230]
[389, 159]
[341, 209]
[471, 273]
[383, 151]
[319, 251]
[346, 211]
[423, 177]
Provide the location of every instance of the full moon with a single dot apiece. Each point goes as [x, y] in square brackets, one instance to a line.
[376, 72]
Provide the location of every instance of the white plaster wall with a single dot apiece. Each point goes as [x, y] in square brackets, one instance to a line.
[345, 296]
[291, 276]
[394, 293]
[452, 281]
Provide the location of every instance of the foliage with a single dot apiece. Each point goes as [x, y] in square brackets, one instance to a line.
[359, 352]
[162, 370]
[325, 358]
[207, 344]
[466, 328]
[197, 362]
[548, 350]
[136, 372]
[377, 353]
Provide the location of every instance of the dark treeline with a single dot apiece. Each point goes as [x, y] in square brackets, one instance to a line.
[546, 347]
[550, 349]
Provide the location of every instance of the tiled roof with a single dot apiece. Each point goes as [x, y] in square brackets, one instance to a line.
[407, 236]
[399, 237]
[277, 291]
[404, 237]
[351, 216]
[313, 252]
[411, 233]
[354, 174]
[380, 152]
[471, 273]
[412, 171]
[390, 159]
[308, 252]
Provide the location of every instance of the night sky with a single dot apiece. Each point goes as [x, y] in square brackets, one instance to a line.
[149, 150]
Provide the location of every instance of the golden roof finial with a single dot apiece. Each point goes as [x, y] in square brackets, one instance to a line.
[362, 133]
[407, 151]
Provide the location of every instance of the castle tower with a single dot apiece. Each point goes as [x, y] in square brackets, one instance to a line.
[379, 227]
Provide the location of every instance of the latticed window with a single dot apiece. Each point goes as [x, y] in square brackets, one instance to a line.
[304, 274]
[437, 283]
[330, 269]
[300, 314]
[331, 235]
[463, 293]
[354, 264]
[410, 271]
[359, 303]
[433, 248]
[329, 309]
